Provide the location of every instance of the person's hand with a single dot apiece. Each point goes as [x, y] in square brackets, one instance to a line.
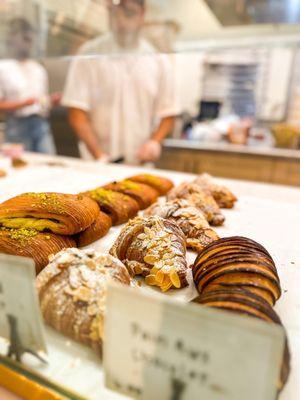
[149, 152]
[55, 98]
[103, 159]
[29, 102]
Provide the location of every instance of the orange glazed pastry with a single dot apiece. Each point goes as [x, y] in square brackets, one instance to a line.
[33, 244]
[65, 214]
[119, 207]
[72, 291]
[144, 195]
[96, 231]
[162, 185]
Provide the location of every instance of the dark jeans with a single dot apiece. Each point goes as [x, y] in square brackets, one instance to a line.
[33, 131]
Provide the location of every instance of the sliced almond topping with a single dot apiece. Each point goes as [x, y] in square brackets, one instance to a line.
[154, 270]
[138, 269]
[166, 285]
[160, 277]
[150, 259]
[175, 279]
[81, 294]
[150, 280]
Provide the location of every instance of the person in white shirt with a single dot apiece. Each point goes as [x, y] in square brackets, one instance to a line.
[24, 92]
[120, 92]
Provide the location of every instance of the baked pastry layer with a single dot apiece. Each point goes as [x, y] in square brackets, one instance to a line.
[154, 248]
[237, 262]
[119, 207]
[201, 199]
[223, 196]
[96, 231]
[33, 244]
[72, 291]
[65, 214]
[143, 194]
[189, 218]
[161, 185]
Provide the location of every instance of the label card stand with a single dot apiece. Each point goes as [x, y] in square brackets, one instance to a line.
[157, 348]
[20, 316]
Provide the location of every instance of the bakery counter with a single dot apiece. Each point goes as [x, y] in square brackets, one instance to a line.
[269, 214]
[271, 165]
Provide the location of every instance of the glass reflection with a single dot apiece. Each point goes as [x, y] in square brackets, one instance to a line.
[120, 92]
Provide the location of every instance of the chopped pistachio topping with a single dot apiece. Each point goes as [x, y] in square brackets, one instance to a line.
[21, 235]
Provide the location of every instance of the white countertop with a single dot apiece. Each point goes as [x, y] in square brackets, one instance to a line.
[232, 148]
[269, 214]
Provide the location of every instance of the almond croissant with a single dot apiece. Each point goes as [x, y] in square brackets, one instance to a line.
[190, 219]
[65, 214]
[72, 291]
[32, 244]
[155, 248]
[223, 196]
[199, 198]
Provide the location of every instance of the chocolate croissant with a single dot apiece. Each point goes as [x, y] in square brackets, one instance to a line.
[72, 291]
[65, 214]
[119, 207]
[190, 219]
[223, 196]
[199, 198]
[247, 303]
[33, 244]
[155, 248]
[143, 194]
[237, 262]
[161, 185]
[96, 231]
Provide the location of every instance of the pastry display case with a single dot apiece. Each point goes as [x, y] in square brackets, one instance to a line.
[193, 236]
[152, 253]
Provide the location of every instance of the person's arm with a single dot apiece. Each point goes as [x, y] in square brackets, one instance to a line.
[10, 106]
[80, 122]
[166, 126]
[151, 150]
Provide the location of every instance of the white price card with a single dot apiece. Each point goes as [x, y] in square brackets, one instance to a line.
[20, 316]
[156, 348]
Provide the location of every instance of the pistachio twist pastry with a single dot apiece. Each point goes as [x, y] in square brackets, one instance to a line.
[65, 214]
[244, 302]
[119, 207]
[94, 232]
[155, 248]
[161, 185]
[33, 244]
[237, 262]
[72, 291]
[201, 199]
[189, 218]
[143, 194]
[223, 196]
